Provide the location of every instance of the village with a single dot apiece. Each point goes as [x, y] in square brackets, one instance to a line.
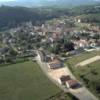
[50, 44]
[63, 36]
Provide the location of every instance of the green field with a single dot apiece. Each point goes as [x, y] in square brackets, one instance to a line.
[90, 74]
[25, 81]
[62, 96]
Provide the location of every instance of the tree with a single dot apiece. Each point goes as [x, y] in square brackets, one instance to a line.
[56, 48]
[96, 36]
[9, 60]
[69, 24]
[12, 52]
[68, 45]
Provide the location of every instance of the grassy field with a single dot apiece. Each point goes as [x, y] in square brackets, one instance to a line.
[1, 45]
[62, 96]
[25, 81]
[89, 74]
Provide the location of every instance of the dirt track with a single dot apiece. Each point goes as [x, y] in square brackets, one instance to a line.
[88, 61]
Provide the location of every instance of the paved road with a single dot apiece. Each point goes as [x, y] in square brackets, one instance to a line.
[80, 93]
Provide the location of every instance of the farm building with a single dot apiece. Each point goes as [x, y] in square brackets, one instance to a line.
[56, 63]
[63, 79]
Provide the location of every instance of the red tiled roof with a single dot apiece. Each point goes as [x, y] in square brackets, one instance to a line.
[72, 82]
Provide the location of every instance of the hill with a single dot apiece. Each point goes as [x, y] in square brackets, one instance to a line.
[13, 16]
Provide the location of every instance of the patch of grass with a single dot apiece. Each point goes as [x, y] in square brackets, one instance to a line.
[62, 96]
[1, 45]
[25, 81]
[90, 75]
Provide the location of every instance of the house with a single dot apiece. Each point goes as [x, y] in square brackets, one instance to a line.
[56, 63]
[78, 19]
[62, 80]
[72, 84]
[80, 43]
